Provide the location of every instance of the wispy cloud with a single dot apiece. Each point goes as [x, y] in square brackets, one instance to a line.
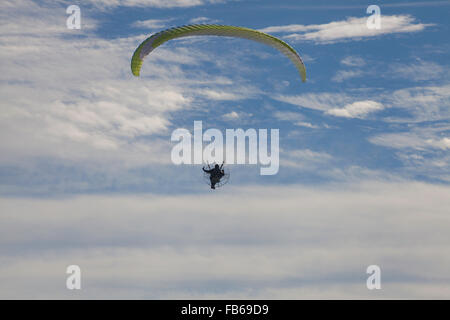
[417, 139]
[306, 125]
[418, 71]
[231, 94]
[199, 20]
[296, 118]
[236, 115]
[288, 116]
[423, 150]
[353, 61]
[305, 159]
[152, 23]
[350, 29]
[28, 18]
[362, 6]
[423, 103]
[343, 75]
[151, 3]
[317, 101]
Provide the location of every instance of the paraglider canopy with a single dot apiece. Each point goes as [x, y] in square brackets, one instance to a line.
[157, 39]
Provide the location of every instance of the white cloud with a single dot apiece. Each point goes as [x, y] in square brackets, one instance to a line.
[358, 109]
[200, 20]
[422, 150]
[343, 75]
[233, 115]
[318, 101]
[419, 71]
[258, 242]
[443, 143]
[426, 103]
[421, 103]
[295, 117]
[417, 139]
[350, 61]
[236, 115]
[336, 104]
[350, 29]
[304, 159]
[307, 125]
[231, 95]
[353, 61]
[288, 116]
[152, 23]
[151, 3]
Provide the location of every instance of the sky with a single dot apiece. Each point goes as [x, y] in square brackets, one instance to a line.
[86, 176]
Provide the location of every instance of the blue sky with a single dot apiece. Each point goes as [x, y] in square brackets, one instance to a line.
[79, 131]
[246, 85]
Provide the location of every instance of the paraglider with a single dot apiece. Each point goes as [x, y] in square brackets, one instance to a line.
[216, 176]
[157, 39]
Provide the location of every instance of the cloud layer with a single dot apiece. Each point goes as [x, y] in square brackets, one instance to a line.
[274, 242]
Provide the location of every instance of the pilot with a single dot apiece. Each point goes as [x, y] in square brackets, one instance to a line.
[215, 174]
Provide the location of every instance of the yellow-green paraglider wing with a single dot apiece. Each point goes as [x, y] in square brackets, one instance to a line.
[159, 38]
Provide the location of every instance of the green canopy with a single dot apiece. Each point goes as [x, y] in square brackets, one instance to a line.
[159, 38]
